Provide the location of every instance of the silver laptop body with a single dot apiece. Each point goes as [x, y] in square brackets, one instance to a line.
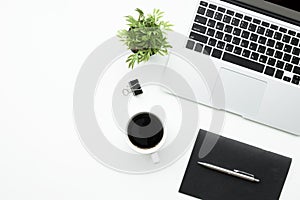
[255, 46]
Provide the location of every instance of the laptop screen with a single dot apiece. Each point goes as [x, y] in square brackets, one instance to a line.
[291, 4]
[286, 10]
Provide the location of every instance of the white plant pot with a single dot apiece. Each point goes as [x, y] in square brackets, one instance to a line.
[155, 60]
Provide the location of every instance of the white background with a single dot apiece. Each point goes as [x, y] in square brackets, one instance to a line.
[42, 47]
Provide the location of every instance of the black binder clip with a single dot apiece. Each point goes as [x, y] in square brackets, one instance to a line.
[135, 88]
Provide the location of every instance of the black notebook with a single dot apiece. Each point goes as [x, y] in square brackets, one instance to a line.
[207, 184]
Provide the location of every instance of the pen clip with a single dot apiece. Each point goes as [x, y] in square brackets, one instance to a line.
[242, 172]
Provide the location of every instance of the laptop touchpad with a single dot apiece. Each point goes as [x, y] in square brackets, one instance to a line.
[243, 94]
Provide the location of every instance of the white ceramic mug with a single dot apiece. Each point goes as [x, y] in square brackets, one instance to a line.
[141, 134]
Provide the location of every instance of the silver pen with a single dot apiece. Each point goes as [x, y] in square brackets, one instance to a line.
[236, 173]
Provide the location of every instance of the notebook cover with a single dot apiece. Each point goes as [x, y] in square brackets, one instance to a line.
[207, 184]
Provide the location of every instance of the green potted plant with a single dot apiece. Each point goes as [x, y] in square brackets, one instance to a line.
[145, 37]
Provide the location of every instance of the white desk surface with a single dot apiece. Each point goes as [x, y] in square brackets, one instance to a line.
[42, 46]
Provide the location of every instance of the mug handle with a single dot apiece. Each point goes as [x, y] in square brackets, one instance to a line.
[155, 158]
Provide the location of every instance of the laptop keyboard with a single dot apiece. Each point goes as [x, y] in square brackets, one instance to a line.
[249, 42]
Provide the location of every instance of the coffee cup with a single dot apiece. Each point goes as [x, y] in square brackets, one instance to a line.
[145, 134]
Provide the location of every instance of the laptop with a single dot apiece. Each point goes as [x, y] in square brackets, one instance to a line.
[255, 46]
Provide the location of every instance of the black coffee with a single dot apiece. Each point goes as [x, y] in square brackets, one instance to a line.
[145, 130]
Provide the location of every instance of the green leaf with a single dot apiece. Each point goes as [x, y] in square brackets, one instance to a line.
[141, 14]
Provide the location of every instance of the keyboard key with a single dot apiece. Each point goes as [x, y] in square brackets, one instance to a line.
[278, 55]
[256, 21]
[244, 24]
[244, 62]
[263, 59]
[237, 31]
[199, 47]
[218, 16]
[279, 45]
[295, 60]
[212, 42]
[287, 48]
[287, 79]
[274, 27]
[261, 30]
[296, 51]
[265, 24]
[235, 21]
[228, 29]
[296, 79]
[199, 37]
[262, 40]
[221, 9]
[246, 53]
[210, 13]
[203, 3]
[296, 70]
[207, 50]
[216, 53]
[278, 36]
[261, 49]
[286, 38]
[199, 28]
[237, 50]
[254, 56]
[270, 52]
[220, 26]
[227, 19]
[221, 45]
[211, 23]
[288, 67]
[252, 27]
[227, 38]
[253, 37]
[245, 43]
[290, 32]
[253, 46]
[271, 61]
[229, 47]
[245, 34]
[298, 35]
[201, 10]
[239, 15]
[287, 57]
[230, 12]
[279, 74]
[219, 35]
[269, 71]
[271, 43]
[279, 64]
[247, 18]
[212, 6]
[283, 30]
[236, 40]
[295, 41]
[269, 33]
[200, 19]
[190, 44]
[210, 32]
